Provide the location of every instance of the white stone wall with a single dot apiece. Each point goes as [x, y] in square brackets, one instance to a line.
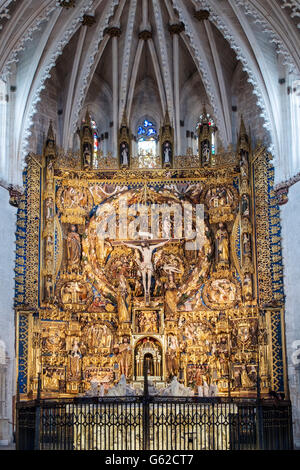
[290, 219]
[7, 330]
[246, 102]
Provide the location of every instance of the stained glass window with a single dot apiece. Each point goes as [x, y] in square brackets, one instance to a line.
[151, 132]
[213, 146]
[147, 143]
[96, 142]
[141, 131]
[211, 123]
[147, 129]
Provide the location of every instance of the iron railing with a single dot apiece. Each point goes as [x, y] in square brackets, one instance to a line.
[154, 423]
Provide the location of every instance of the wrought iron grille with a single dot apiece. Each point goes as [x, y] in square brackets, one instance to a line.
[154, 423]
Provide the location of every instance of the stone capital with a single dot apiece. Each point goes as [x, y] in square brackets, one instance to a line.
[201, 15]
[176, 28]
[88, 20]
[67, 3]
[145, 35]
[113, 31]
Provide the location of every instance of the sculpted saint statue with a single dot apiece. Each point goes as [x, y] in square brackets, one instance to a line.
[87, 156]
[173, 342]
[48, 288]
[73, 248]
[167, 154]
[49, 208]
[124, 155]
[246, 244]
[123, 299]
[107, 337]
[245, 205]
[125, 357]
[75, 357]
[171, 299]
[237, 378]
[244, 164]
[222, 245]
[50, 170]
[171, 362]
[205, 152]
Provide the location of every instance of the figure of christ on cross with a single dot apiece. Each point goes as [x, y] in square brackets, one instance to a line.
[146, 248]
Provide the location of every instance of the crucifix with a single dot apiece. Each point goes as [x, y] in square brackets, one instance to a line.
[146, 248]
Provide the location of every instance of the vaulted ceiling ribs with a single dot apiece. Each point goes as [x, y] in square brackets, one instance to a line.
[145, 31]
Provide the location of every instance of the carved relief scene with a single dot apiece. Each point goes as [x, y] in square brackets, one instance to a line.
[150, 272]
[149, 191]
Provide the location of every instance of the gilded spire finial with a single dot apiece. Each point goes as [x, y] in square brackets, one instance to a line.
[88, 118]
[50, 134]
[243, 139]
[204, 118]
[243, 131]
[167, 118]
[124, 119]
[49, 148]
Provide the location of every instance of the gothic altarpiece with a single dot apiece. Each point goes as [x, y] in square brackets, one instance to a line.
[88, 308]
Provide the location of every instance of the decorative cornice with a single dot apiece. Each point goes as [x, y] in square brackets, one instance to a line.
[282, 189]
[4, 15]
[176, 28]
[294, 6]
[4, 11]
[258, 18]
[282, 196]
[14, 196]
[21, 44]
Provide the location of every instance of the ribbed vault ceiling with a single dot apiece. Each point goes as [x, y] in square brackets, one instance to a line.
[41, 38]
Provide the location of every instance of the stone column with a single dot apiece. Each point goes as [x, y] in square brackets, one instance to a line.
[290, 221]
[115, 33]
[7, 328]
[175, 31]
